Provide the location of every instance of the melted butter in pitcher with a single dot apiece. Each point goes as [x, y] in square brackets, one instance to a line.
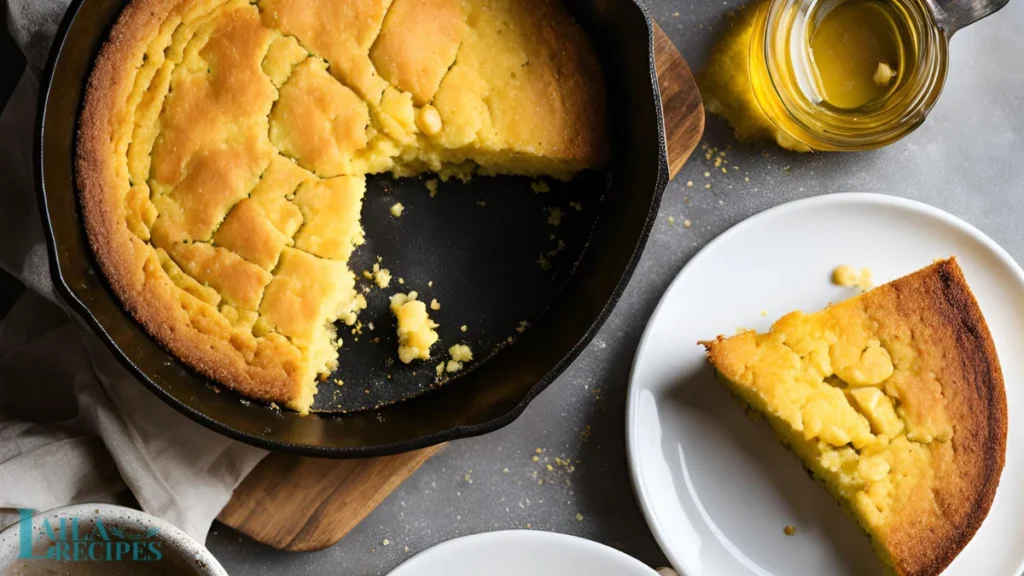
[856, 50]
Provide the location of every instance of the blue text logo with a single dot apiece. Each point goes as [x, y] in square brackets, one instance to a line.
[76, 539]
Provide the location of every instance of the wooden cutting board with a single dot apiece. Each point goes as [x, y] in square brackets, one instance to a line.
[302, 504]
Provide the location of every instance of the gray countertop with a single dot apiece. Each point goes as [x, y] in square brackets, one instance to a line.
[966, 159]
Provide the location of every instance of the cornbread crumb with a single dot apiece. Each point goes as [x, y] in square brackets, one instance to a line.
[579, 517]
[435, 305]
[463, 327]
[432, 187]
[671, 221]
[883, 74]
[544, 263]
[439, 369]
[789, 530]
[687, 223]
[396, 209]
[576, 205]
[401, 281]
[381, 276]
[847, 276]
[415, 328]
[555, 216]
[540, 187]
[338, 382]
[460, 353]
[689, 183]
[386, 542]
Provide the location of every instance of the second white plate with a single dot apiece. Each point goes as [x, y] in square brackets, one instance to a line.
[717, 489]
[522, 553]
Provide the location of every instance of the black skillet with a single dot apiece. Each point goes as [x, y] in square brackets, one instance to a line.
[481, 249]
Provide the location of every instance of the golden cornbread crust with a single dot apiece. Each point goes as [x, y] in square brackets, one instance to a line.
[130, 264]
[947, 375]
[223, 144]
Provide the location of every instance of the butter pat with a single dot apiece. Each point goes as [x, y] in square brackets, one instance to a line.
[883, 74]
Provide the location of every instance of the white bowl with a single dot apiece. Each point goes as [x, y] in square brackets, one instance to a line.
[109, 540]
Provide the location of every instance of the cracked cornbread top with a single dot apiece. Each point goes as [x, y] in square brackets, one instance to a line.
[223, 147]
[895, 400]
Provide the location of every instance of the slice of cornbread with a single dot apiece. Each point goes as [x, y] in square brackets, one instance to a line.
[895, 400]
[223, 147]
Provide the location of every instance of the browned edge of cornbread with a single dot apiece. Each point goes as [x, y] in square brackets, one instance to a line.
[124, 258]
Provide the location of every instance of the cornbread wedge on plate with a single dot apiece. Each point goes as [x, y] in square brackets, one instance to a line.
[894, 399]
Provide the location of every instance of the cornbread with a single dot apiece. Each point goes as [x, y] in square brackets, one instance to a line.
[895, 400]
[224, 144]
[415, 328]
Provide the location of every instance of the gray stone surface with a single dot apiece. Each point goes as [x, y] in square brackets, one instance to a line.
[965, 159]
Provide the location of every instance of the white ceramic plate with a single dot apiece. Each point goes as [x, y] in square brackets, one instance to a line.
[717, 488]
[522, 553]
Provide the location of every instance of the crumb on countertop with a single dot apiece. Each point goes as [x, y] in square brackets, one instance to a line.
[789, 530]
[540, 186]
[432, 186]
[396, 209]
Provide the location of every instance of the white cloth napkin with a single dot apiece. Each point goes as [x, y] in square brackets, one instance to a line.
[74, 424]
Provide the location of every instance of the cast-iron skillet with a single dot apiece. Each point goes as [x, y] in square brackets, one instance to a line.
[481, 249]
